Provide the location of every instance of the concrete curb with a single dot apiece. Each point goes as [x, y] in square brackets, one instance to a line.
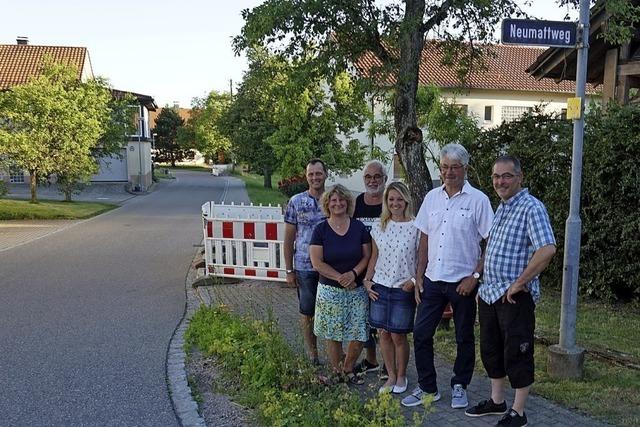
[184, 406]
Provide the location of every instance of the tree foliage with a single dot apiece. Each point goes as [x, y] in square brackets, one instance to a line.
[610, 244]
[52, 124]
[282, 118]
[339, 32]
[203, 126]
[249, 121]
[169, 146]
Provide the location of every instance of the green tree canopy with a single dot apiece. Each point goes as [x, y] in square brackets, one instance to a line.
[338, 33]
[169, 147]
[52, 124]
[203, 126]
[282, 118]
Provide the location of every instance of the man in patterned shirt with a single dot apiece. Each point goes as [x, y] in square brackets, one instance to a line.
[520, 247]
[302, 214]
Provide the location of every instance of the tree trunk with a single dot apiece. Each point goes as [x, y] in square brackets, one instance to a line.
[411, 150]
[173, 159]
[267, 177]
[33, 182]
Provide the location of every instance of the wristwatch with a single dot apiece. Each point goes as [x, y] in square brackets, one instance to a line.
[290, 271]
[476, 275]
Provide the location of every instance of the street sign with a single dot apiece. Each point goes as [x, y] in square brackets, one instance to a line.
[539, 33]
[574, 108]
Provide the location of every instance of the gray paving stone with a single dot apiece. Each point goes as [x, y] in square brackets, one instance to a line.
[258, 299]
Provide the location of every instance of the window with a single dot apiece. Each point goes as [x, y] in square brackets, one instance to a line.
[488, 113]
[511, 113]
[16, 176]
[563, 114]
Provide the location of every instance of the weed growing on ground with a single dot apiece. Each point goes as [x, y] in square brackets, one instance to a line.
[279, 383]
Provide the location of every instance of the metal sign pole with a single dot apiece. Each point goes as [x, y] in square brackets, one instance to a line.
[566, 359]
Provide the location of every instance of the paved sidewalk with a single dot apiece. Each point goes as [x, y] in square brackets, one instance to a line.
[261, 299]
[108, 192]
[17, 232]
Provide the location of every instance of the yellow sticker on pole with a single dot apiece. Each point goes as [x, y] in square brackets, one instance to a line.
[574, 108]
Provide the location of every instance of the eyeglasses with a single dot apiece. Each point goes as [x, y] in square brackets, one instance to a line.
[506, 176]
[452, 168]
[377, 177]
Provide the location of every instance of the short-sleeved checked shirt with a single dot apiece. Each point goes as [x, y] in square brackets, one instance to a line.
[520, 227]
[304, 212]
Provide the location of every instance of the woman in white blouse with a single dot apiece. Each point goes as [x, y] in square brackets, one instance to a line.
[389, 281]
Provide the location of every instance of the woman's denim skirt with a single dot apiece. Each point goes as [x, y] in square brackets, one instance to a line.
[393, 311]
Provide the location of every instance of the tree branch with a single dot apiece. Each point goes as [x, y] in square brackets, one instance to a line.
[441, 14]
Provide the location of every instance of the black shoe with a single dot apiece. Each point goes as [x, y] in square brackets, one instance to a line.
[486, 407]
[364, 367]
[512, 419]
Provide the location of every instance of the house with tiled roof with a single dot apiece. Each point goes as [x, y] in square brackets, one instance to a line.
[500, 91]
[21, 62]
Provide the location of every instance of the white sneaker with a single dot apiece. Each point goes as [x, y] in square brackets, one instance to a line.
[398, 389]
[386, 389]
[459, 397]
[416, 397]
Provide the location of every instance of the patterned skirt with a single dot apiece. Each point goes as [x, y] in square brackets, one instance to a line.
[341, 314]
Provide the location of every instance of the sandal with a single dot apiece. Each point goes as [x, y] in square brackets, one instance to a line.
[331, 380]
[354, 379]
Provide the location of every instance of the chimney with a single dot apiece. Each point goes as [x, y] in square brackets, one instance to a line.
[22, 40]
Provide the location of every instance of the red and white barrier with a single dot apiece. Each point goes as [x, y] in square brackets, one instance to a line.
[244, 241]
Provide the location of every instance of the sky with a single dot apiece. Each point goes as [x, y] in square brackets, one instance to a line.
[171, 50]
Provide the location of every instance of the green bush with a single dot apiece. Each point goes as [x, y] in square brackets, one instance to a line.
[4, 190]
[610, 199]
[280, 384]
[293, 185]
[610, 256]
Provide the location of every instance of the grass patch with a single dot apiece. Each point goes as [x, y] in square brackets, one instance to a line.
[51, 209]
[598, 324]
[257, 193]
[279, 384]
[162, 173]
[606, 391]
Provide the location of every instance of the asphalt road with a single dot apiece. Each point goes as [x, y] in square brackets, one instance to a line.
[86, 314]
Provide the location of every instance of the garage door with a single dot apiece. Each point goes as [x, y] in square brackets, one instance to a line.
[112, 169]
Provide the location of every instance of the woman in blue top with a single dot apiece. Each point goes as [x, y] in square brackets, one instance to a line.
[340, 248]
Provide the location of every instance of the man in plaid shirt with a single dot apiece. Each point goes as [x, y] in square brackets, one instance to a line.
[520, 247]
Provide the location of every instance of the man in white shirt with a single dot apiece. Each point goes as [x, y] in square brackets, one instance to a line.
[453, 220]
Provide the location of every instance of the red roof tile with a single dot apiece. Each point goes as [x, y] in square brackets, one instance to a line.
[505, 70]
[19, 63]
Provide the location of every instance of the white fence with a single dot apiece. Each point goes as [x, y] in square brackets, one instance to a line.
[244, 241]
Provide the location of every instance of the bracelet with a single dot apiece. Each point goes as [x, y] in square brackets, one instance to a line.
[355, 274]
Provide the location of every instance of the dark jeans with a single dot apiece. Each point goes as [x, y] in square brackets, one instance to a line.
[435, 296]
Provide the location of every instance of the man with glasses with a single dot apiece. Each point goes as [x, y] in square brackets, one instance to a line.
[521, 245]
[368, 208]
[453, 220]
